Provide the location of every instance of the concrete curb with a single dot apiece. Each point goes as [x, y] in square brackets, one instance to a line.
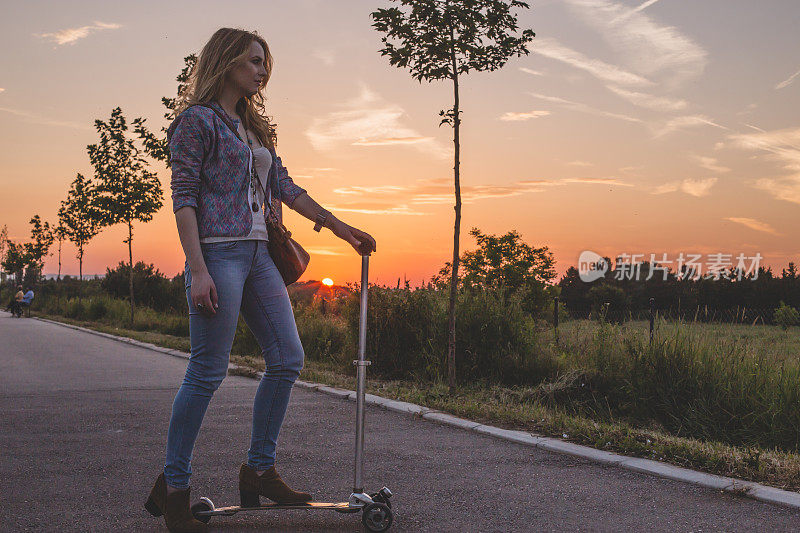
[739, 487]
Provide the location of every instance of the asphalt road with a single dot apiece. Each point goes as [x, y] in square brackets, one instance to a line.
[83, 431]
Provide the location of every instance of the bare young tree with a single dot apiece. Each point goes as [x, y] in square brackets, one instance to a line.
[60, 234]
[127, 191]
[440, 40]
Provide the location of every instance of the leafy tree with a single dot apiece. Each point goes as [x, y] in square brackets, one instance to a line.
[609, 303]
[440, 40]
[786, 316]
[158, 147]
[15, 260]
[790, 272]
[79, 216]
[37, 249]
[509, 262]
[127, 191]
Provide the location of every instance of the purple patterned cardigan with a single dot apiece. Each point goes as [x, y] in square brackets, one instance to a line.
[209, 172]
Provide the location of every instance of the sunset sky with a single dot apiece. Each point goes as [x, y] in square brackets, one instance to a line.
[658, 126]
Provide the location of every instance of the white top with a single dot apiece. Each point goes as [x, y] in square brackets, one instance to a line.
[263, 161]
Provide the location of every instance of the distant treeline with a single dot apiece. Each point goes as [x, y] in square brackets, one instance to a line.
[753, 299]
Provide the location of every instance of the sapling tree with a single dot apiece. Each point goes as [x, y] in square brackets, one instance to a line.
[80, 218]
[441, 40]
[127, 191]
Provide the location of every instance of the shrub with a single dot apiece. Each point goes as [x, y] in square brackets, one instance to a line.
[97, 310]
[407, 335]
[786, 316]
[609, 303]
[151, 287]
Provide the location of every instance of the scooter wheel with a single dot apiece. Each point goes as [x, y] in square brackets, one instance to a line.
[203, 505]
[377, 517]
[380, 498]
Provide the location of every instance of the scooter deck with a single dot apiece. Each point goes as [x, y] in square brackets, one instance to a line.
[233, 509]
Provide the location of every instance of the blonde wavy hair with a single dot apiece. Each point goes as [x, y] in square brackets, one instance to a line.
[223, 51]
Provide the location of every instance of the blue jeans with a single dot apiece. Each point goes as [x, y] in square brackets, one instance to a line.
[246, 280]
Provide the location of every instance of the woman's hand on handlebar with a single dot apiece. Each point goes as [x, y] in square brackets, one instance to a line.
[204, 292]
[362, 241]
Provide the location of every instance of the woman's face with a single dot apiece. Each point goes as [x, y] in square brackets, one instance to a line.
[248, 77]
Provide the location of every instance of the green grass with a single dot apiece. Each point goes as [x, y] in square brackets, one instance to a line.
[531, 408]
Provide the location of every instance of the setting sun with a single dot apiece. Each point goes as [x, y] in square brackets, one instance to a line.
[327, 281]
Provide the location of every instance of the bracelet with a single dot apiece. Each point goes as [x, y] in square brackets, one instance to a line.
[320, 220]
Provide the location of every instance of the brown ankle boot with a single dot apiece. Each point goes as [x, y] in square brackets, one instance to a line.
[174, 507]
[269, 484]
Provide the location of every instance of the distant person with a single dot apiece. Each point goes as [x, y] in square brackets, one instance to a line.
[27, 299]
[221, 210]
[15, 304]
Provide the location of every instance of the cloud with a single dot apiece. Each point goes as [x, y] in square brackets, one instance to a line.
[577, 106]
[604, 71]
[532, 72]
[73, 35]
[698, 187]
[645, 5]
[646, 47]
[754, 224]
[781, 146]
[650, 59]
[749, 108]
[525, 115]
[710, 163]
[377, 189]
[324, 251]
[435, 191]
[580, 164]
[325, 55]
[377, 208]
[686, 121]
[368, 120]
[383, 199]
[788, 81]
[391, 140]
[598, 181]
[657, 103]
[38, 119]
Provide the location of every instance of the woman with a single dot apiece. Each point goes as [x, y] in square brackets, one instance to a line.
[221, 223]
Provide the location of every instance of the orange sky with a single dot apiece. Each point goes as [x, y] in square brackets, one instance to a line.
[633, 127]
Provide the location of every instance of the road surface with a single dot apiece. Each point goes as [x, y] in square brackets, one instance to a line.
[84, 424]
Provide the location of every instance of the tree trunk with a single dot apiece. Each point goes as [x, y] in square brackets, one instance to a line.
[451, 322]
[80, 273]
[58, 279]
[130, 262]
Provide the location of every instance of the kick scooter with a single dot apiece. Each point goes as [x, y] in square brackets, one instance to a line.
[376, 509]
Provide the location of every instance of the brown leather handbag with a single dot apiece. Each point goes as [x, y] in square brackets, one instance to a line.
[287, 254]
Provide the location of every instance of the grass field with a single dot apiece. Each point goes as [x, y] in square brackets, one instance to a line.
[692, 374]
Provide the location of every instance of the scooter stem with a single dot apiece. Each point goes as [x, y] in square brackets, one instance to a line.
[361, 376]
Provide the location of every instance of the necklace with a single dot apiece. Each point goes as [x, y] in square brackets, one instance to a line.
[253, 174]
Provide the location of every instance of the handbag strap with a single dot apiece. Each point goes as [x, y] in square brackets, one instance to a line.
[230, 125]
